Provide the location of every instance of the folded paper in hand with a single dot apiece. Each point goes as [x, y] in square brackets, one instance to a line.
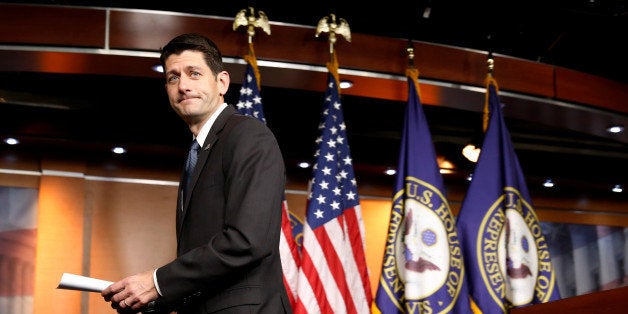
[82, 283]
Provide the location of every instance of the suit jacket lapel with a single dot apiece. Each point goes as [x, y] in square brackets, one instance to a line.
[210, 140]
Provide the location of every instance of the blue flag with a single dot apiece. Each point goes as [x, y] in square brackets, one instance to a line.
[506, 255]
[423, 268]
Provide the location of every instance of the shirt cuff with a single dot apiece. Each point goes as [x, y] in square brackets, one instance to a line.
[155, 281]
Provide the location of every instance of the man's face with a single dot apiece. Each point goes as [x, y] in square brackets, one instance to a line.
[193, 90]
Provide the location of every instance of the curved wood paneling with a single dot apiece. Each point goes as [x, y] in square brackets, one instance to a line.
[146, 31]
[52, 25]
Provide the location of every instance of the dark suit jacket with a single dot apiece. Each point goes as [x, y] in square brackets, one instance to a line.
[228, 225]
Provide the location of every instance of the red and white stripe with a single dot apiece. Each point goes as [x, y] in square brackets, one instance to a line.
[334, 277]
[289, 253]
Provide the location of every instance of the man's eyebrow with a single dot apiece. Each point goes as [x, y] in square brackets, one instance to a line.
[171, 72]
[193, 67]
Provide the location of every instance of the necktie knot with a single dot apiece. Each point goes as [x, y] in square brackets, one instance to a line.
[195, 147]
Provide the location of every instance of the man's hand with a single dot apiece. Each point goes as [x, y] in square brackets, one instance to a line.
[131, 294]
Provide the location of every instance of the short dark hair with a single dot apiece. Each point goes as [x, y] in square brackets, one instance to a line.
[194, 42]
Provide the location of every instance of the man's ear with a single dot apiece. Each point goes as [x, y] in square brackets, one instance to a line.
[223, 81]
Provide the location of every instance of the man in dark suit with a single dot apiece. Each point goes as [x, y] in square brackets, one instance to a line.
[228, 215]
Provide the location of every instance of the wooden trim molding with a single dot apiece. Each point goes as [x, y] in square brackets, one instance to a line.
[114, 33]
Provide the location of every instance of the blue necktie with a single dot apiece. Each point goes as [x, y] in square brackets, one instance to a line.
[191, 163]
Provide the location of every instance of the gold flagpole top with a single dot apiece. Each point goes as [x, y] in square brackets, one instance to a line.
[410, 51]
[251, 22]
[490, 63]
[333, 28]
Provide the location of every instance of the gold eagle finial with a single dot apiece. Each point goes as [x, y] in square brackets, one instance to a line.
[341, 28]
[250, 21]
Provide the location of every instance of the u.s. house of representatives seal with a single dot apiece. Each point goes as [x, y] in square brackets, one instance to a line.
[512, 252]
[423, 266]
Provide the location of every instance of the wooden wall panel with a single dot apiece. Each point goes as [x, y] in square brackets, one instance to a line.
[59, 243]
[133, 230]
[526, 77]
[588, 89]
[376, 216]
[52, 25]
[141, 30]
[79, 63]
[608, 301]
[19, 170]
[150, 30]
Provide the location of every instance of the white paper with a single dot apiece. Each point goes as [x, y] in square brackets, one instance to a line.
[82, 283]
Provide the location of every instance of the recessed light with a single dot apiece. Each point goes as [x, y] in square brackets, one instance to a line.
[304, 164]
[548, 183]
[158, 68]
[118, 150]
[617, 188]
[345, 84]
[11, 141]
[390, 172]
[615, 129]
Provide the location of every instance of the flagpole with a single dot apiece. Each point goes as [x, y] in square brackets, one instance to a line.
[490, 63]
[410, 51]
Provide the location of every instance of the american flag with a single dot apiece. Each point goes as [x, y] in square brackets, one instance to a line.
[250, 103]
[333, 277]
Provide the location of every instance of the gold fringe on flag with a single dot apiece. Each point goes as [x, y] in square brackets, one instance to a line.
[412, 72]
[488, 82]
[250, 58]
[490, 64]
[332, 66]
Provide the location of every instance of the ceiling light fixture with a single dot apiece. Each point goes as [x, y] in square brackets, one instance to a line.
[445, 166]
[471, 152]
[390, 171]
[427, 12]
[548, 183]
[304, 165]
[617, 188]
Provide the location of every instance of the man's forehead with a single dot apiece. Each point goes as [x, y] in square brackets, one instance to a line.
[185, 62]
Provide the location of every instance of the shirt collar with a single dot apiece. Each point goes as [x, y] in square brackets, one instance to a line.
[202, 134]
